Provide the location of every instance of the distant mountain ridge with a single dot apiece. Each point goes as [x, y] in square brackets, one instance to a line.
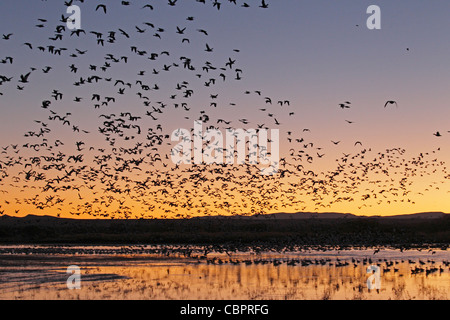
[337, 215]
[277, 216]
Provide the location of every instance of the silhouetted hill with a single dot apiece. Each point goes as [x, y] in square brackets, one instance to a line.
[287, 229]
[333, 215]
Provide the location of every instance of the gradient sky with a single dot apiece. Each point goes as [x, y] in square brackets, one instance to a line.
[316, 54]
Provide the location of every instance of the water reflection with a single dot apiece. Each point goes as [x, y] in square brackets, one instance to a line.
[312, 275]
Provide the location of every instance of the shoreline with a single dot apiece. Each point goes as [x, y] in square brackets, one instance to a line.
[272, 233]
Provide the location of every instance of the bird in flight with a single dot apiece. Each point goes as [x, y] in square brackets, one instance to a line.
[208, 48]
[264, 5]
[101, 6]
[24, 78]
[345, 105]
[148, 6]
[390, 102]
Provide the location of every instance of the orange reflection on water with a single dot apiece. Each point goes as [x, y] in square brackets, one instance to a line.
[244, 278]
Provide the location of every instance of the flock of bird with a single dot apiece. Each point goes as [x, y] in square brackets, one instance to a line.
[123, 167]
[213, 255]
[386, 266]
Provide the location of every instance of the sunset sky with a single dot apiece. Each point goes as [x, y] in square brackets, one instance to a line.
[315, 54]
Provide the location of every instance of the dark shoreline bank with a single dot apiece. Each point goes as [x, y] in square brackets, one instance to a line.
[408, 232]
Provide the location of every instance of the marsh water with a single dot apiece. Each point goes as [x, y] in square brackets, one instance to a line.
[158, 273]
